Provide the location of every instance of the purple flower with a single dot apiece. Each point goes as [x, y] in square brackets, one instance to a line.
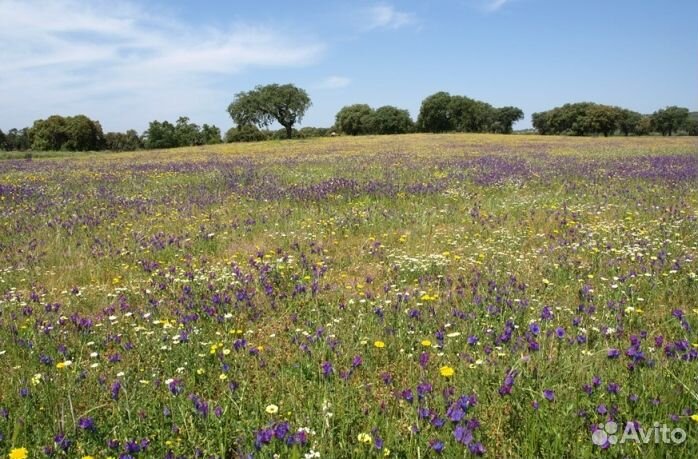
[86, 423]
[115, 389]
[463, 435]
[612, 388]
[357, 361]
[326, 369]
[455, 412]
[613, 353]
[560, 332]
[534, 328]
[436, 445]
[549, 395]
[477, 449]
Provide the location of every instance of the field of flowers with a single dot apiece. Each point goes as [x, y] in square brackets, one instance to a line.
[414, 296]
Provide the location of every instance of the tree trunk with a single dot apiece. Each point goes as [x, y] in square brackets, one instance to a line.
[289, 131]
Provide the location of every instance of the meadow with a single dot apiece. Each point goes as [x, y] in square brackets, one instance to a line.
[411, 296]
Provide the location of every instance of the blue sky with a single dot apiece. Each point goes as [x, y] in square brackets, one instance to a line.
[127, 63]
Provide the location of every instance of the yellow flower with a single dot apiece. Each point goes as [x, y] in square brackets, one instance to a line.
[426, 343]
[447, 371]
[386, 452]
[88, 457]
[19, 453]
[379, 344]
[64, 364]
[695, 417]
[222, 376]
[364, 437]
[272, 409]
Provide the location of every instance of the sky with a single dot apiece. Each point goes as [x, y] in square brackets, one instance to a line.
[126, 63]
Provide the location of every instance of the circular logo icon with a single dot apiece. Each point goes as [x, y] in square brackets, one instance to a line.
[605, 434]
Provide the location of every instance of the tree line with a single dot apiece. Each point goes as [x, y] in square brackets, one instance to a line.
[588, 118]
[254, 111]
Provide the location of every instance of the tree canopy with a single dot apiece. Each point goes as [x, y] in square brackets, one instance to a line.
[70, 133]
[670, 119]
[443, 112]
[285, 104]
[359, 119]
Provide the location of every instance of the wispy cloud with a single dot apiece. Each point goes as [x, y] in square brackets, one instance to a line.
[386, 16]
[106, 59]
[335, 82]
[494, 5]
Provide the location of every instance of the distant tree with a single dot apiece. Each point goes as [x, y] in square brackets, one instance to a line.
[2, 140]
[210, 135]
[120, 141]
[48, 134]
[541, 122]
[17, 139]
[435, 113]
[354, 119]
[692, 124]
[310, 132]
[643, 125]
[160, 135]
[390, 120]
[470, 115]
[72, 133]
[285, 104]
[504, 119]
[83, 134]
[186, 133]
[670, 119]
[245, 133]
[602, 119]
[628, 122]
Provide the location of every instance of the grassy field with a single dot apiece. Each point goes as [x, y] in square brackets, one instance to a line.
[411, 296]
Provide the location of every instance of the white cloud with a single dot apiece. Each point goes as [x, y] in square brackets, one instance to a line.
[118, 62]
[494, 5]
[335, 82]
[386, 16]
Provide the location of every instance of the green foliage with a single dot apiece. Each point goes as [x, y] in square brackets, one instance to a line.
[72, 133]
[504, 119]
[390, 120]
[360, 119]
[285, 104]
[354, 119]
[245, 133]
[182, 134]
[160, 135]
[669, 120]
[442, 112]
[2, 140]
[17, 140]
[588, 118]
[120, 141]
[435, 113]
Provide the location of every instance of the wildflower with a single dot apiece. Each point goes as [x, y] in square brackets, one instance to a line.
[19, 453]
[86, 423]
[272, 409]
[426, 343]
[363, 437]
[695, 417]
[549, 395]
[326, 369]
[379, 344]
[65, 363]
[447, 371]
[436, 445]
[88, 457]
